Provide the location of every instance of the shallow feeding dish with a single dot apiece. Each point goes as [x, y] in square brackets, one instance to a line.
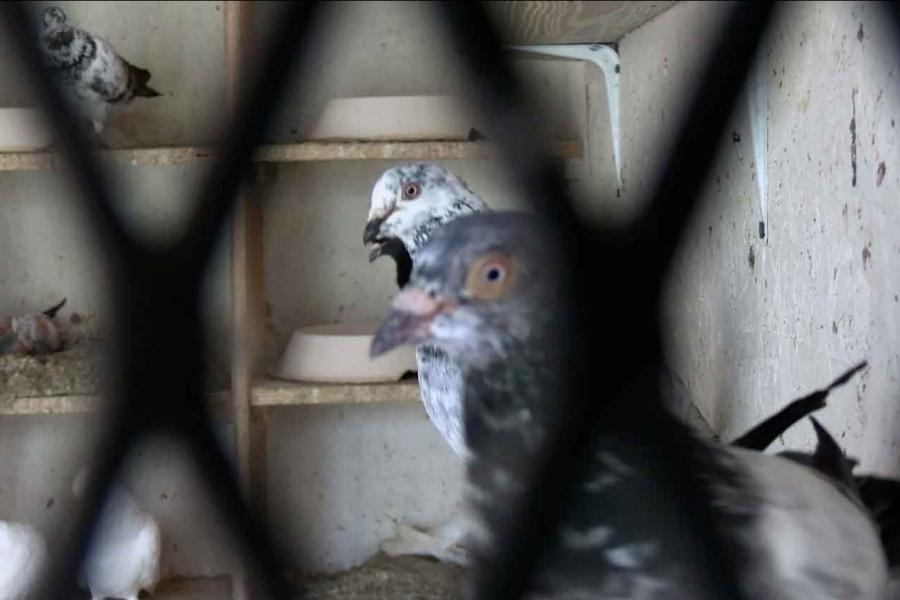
[339, 353]
[398, 118]
[23, 130]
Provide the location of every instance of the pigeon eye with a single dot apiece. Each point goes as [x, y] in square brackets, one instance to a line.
[490, 277]
[494, 273]
[411, 191]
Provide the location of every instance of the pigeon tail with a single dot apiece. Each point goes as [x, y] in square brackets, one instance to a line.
[140, 77]
[51, 312]
[760, 437]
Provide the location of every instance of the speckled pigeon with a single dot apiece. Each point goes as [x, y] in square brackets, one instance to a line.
[409, 203]
[484, 289]
[90, 67]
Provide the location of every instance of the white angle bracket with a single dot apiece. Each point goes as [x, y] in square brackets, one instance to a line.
[606, 59]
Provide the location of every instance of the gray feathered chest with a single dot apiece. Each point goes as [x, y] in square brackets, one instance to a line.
[789, 532]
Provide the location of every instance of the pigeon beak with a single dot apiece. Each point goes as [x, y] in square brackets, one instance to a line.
[373, 230]
[409, 321]
[371, 235]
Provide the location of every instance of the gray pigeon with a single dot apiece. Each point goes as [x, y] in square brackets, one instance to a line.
[484, 288]
[89, 66]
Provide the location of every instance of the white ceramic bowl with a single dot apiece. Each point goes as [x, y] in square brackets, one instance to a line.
[411, 118]
[23, 130]
[340, 354]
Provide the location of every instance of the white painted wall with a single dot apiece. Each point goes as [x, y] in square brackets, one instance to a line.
[756, 322]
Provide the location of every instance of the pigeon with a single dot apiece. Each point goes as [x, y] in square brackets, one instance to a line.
[124, 556]
[409, 203]
[484, 288]
[24, 555]
[90, 68]
[31, 334]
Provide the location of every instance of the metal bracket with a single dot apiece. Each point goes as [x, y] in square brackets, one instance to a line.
[606, 58]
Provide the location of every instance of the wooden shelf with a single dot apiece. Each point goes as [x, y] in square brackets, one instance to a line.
[286, 153]
[81, 403]
[268, 393]
[273, 392]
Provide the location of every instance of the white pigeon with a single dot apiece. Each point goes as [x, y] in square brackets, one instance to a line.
[124, 557]
[23, 554]
[90, 67]
[409, 203]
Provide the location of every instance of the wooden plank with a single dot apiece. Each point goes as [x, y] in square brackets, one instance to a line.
[447, 150]
[285, 153]
[40, 161]
[246, 290]
[265, 393]
[274, 392]
[543, 22]
[84, 403]
[50, 405]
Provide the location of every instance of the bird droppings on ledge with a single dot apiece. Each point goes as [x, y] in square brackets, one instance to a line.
[72, 371]
[389, 578]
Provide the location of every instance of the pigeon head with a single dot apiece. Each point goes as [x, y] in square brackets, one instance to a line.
[480, 285]
[53, 18]
[409, 202]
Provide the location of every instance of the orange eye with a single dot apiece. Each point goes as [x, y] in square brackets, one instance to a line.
[411, 191]
[490, 277]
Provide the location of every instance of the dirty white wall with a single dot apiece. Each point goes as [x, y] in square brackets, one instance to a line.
[756, 322]
[338, 476]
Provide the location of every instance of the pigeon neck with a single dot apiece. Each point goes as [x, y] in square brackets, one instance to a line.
[416, 239]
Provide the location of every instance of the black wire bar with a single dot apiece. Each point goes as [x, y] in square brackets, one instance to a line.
[155, 385]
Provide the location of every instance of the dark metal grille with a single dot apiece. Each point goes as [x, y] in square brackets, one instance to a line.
[155, 384]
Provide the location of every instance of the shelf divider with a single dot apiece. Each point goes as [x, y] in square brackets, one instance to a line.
[288, 153]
